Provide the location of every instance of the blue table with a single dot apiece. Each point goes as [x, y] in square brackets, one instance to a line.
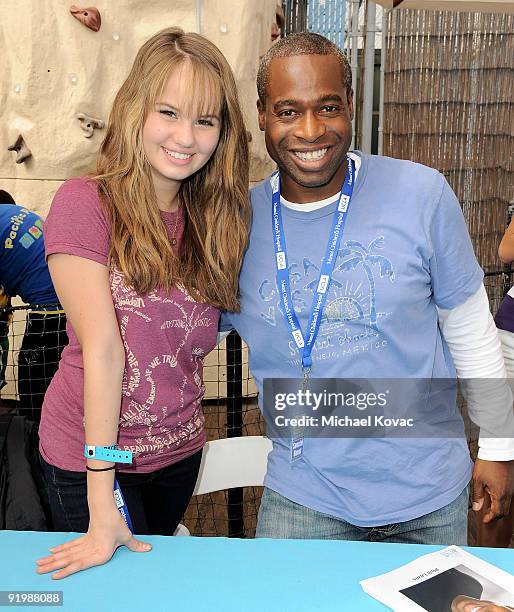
[218, 574]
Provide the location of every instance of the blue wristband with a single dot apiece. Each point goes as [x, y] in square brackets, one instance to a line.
[107, 453]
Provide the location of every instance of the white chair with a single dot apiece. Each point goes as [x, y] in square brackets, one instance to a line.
[231, 463]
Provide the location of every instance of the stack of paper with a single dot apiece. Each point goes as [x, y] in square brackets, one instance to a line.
[448, 580]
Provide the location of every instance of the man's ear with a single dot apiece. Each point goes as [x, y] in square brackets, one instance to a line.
[349, 101]
[261, 110]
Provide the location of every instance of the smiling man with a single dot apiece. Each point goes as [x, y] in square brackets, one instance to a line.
[361, 266]
[307, 124]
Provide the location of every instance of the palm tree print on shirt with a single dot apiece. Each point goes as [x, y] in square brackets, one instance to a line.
[355, 254]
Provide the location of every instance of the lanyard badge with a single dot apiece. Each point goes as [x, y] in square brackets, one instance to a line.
[305, 343]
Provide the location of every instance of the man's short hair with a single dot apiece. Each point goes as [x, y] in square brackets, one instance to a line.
[301, 43]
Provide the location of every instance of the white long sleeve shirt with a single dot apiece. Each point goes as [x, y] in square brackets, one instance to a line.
[472, 337]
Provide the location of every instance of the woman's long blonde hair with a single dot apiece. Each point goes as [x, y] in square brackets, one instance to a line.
[215, 199]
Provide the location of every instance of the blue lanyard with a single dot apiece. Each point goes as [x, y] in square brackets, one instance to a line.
[121, 505]
[305, 344]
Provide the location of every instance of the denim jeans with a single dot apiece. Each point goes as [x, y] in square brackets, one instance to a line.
[282, 518]
[156, 501]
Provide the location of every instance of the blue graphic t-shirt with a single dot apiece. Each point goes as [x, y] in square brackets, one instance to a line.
[405, 250]
[23, 269]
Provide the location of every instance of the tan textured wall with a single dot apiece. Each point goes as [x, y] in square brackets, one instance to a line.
[52, 68]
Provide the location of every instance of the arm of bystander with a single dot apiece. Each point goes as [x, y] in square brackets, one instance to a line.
[506, 248]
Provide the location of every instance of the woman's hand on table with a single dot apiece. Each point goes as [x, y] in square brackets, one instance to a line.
[96, 547]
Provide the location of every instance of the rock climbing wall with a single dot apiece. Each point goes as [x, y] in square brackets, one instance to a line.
[60, 70]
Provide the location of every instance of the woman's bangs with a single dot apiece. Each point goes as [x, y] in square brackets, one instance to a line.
[200, 90]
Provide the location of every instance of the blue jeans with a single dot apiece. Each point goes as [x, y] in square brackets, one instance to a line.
[282, 518]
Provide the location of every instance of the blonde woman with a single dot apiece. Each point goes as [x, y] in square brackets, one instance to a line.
[143, 255]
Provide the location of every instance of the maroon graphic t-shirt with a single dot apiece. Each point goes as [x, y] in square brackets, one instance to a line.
[166, 335]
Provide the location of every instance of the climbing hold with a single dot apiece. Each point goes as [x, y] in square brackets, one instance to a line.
[89, 124]
[22, 151]
[90, 16]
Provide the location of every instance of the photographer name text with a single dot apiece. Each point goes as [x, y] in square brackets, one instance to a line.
[342, 421]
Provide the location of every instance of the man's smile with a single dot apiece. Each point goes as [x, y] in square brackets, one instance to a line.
[314, 155]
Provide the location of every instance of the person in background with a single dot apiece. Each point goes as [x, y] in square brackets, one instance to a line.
[506, 246]
[24, 273]
[143, 255]
[499, 534]
[5, 315]
[5, 321]
[277, 27]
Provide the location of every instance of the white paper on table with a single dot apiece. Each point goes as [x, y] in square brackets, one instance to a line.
[440, 575]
